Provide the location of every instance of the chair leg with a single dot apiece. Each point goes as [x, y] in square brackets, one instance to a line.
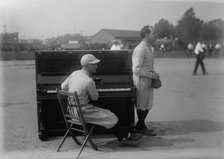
[88, 137]
[83, 145]
[75, 138]
[63, 140]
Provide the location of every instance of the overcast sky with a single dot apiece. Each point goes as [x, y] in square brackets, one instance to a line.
[48, 18]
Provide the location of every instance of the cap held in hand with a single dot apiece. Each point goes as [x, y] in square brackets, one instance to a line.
[156, 83]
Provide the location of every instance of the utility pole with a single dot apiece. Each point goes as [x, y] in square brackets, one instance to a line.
[4, 26]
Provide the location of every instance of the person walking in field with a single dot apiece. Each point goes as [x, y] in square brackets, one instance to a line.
[199, 51]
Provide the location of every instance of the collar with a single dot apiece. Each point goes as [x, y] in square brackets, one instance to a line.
[85, 72]
[145, 43]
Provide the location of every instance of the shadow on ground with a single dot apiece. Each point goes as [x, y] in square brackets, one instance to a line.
[162, 128]
[186, 127]
[166, 128]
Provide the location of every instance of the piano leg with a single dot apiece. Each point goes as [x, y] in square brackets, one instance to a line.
[41, 128]
[132, 114]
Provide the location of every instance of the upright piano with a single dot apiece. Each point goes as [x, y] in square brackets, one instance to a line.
[116, 90]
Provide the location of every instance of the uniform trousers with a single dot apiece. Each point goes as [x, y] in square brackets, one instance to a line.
[105, 118]
[199, 61]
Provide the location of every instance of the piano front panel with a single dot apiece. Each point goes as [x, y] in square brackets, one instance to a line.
[50, 118]
[51, 121]
[123, 107]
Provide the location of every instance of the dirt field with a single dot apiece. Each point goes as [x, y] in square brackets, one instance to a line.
[187, 114]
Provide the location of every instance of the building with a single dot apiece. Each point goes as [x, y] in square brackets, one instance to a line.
[128, 38]
[71, 45]
[9, 41]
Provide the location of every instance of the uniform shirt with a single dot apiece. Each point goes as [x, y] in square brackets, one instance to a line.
[81, 82]
[142, 61]
[218, 46]
[162, 46]
[198, 48]
[142, 67]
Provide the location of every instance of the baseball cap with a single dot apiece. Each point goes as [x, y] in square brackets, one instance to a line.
[88, 59]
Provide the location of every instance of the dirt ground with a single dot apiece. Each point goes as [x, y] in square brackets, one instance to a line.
[187, 115]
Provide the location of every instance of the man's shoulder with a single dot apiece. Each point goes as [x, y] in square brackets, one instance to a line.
[139, 47]
[75, 72]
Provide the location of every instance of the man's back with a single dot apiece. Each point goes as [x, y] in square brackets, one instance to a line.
[80, 82]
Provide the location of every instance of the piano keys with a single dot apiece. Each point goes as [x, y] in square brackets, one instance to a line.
[101, 90]
[113, 81]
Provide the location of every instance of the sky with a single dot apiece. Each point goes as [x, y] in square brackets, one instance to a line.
[51, 18]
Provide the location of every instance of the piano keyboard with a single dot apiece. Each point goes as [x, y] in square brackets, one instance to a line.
[113, 89]
[102, 90]
[51, 91]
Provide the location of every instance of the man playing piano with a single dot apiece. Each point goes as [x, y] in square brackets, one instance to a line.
[81, 82]
[142, 67]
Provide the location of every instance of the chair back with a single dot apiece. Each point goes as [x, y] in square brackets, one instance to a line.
[71, 108]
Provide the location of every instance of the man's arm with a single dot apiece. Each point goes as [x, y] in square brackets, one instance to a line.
[93, 93]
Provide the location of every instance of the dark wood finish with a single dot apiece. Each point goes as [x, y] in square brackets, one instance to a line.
[114, 71]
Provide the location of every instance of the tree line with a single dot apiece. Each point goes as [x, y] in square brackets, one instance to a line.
[191, 28]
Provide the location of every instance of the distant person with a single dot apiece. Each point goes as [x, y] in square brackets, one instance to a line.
[200, 55]
[190, 49]
[153, 49]
[210, 50]
[162, 48]
[217, 49]
[116, 45]
[142, 68]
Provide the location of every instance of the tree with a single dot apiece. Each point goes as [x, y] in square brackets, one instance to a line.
[213, 30]
[189, 26]
[164, 28]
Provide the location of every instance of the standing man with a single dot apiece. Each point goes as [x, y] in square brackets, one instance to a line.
[200, 55]
[81, 82]
[142, 67]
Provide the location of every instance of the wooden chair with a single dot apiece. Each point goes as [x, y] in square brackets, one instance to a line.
[74, 120]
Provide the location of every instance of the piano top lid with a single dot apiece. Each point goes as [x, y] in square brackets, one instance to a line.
[65, 62]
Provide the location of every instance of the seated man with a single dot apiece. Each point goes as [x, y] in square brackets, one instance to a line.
[81, 82]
